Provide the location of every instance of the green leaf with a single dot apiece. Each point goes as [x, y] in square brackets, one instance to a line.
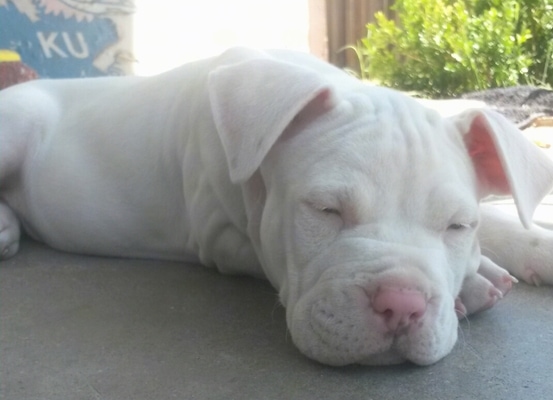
[446, 47]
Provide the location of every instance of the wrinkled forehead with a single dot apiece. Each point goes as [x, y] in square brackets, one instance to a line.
[380, 135]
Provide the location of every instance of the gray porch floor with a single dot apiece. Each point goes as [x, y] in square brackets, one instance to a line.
[76, 327]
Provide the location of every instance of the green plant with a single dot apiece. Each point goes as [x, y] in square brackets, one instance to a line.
[446, 47]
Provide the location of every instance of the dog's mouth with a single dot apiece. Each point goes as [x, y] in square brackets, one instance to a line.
[338, 324]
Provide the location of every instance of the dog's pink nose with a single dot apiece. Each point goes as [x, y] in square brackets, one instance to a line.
[399, 307]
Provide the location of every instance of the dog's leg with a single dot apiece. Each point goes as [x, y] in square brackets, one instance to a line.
[483, 289]
[525, 253]
[9, 232]
[18, 112]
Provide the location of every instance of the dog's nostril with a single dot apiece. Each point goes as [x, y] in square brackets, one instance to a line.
[399, 307]
[415, 317]
[387, 314]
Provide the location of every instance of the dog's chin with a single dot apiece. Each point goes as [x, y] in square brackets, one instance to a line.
[389, 357]
[392, 357]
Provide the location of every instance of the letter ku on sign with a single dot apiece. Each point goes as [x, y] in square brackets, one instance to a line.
[51, 46]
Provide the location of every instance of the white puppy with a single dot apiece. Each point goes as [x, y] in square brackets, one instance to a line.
[359, 205]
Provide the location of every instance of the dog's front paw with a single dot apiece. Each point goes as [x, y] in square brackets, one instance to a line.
[528, 256]
[499, 277]
[536, 263]
[525, 253]
[9, 233]
[482, 290]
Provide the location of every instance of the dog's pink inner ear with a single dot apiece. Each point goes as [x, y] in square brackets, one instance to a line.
[489, 169]
[320, 104]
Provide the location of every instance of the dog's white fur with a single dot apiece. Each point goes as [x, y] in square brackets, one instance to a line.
[281, 166]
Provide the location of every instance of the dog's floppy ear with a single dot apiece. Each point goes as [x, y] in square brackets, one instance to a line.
[254, 101]
[505, 161]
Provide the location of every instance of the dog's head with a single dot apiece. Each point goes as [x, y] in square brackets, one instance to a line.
[363, 204]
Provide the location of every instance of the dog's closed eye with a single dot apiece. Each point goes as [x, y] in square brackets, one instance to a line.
[330, 210]
[457, 226]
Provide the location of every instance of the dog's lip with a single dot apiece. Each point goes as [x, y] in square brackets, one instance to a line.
[388, 357]
[394, 356]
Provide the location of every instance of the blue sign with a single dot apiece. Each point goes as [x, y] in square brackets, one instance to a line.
[64, 38]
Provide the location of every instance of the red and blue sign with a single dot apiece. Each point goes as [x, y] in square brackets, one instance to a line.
[65, 38]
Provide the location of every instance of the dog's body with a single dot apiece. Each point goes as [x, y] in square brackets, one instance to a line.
[359, 205]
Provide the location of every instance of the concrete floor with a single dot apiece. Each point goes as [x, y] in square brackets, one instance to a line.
[75, 327]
